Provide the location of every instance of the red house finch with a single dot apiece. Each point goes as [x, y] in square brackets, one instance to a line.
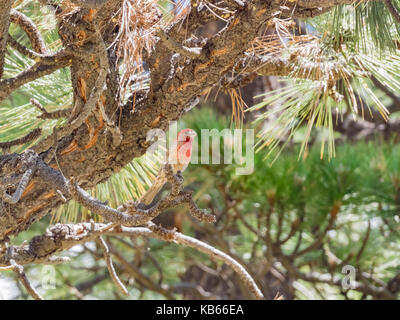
[179, 156]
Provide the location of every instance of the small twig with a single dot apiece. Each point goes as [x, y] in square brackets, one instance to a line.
[35, 133]
[113, 215]
[192, 53]
[141, 278]
[376, 292]
[61, 196]
[200, 214]
[6, 268]
[298, 243]
[267, 237]
[22, 49]
[293, 229]
[320, 238]
[19, 270]
[46, 65]
[364, 243]
[29, 166]
[46, 58]
[110, 266]
[90, 104]
[246, 224]
[63, 113]
[213, 252]
[20, 189]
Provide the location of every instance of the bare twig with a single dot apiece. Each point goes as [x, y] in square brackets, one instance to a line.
[51, 154]
[110, 267]
[320, 238]
[213, 252]
[22, 49]
[142, 279]
[171, 44]
[28, 167]
[364, 243]
[6, 268]
[130, 214]
[63, 113]
[19, 270]
[20, 189]
[45, 66]
[35, 133]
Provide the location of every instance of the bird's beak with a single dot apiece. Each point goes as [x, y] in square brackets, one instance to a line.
[192, 134]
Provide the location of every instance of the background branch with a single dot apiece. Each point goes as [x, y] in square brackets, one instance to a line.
[61, 237]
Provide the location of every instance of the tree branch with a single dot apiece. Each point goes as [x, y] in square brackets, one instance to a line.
[130, 214]
[19, 270]
[45, 66]
[35, 133]
[110, 266]
[63, 113]
[30, 29]
[22, 49]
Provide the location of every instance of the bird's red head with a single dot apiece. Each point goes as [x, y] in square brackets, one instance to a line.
[186, 135]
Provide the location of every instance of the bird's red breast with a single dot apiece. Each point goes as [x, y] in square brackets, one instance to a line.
[182, 151]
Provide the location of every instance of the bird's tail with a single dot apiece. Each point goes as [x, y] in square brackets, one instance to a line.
[148, 197]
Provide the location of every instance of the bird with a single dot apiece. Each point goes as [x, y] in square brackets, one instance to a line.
[178, 156]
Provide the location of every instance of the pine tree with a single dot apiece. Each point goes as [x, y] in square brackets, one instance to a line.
[83, 82]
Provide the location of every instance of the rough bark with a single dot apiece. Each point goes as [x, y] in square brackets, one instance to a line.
[4, 25]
